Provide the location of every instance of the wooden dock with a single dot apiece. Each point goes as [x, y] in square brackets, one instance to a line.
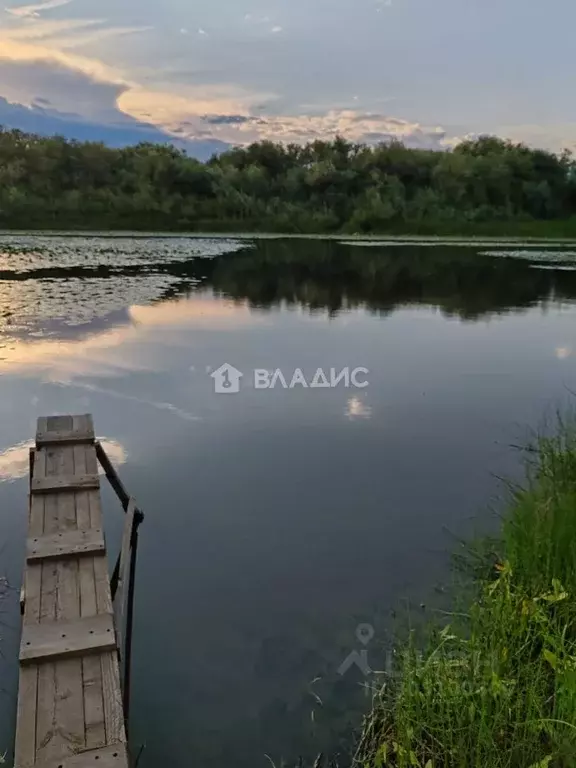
[70, 702]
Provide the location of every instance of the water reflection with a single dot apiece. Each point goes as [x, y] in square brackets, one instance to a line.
[73, 302]
[102, 306]
[71, 326]
[357, 408]
[335, 277]
[278, 521]
[15, 461]
[563, 352]
[64, 351]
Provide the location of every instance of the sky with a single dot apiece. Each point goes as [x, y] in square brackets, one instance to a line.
[429, 72]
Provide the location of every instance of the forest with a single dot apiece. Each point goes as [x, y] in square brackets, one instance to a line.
[482, 186]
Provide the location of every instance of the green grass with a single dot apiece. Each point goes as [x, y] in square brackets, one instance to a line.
[497, 687]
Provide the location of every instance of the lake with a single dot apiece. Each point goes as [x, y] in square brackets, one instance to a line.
[279, 519]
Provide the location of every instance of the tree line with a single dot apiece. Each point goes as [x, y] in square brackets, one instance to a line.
[483, 185]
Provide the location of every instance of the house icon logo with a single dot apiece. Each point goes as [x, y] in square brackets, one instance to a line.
[227, 380]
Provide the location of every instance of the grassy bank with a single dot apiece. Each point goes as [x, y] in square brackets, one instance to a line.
[497, 687]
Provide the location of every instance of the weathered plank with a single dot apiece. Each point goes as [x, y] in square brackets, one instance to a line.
[113, 708]
[59, 639]
[71, 543]
[69, 709]
[49, 743]
[28, 689]
[94, 723]
[112, 756]
[65, 437]
[79, 434]
[54, 423]
[58, 484]
[69, 696]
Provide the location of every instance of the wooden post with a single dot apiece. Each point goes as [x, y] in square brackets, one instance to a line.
[31, 460]
[124, 581]
[129, 621]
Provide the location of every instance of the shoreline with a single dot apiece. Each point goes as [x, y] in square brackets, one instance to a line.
[453, 240]
[496, 686]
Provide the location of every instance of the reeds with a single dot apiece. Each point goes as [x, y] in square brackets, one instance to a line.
[496, 688]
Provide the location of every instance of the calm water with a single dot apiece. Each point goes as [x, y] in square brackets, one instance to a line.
[278, 520]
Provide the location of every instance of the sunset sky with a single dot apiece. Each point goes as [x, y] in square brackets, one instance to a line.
[427, 71]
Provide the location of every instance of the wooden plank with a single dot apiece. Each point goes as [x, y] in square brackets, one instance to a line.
[69, 709]
[48, 738]
[73, 436]
[94, 723]
[63, 438]
[121, 598]
[72, 543]
[113, 708]
[59, 639]
[113, 756]
[42, 424]
[25, 745]
[58, 484]
[63, 430]
[57, 423]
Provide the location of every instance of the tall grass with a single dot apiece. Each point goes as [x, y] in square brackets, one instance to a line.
[497, 687]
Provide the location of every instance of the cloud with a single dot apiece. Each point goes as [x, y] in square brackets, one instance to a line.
[17, 47]
[64, 89]
[354, 125]
[35, 62]
[43, 69]
[85, 96]
[188, 106]
[87, 92]
[33, 11]
[227, 119]
[164, 71]
[556, 137]
[43, 120]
